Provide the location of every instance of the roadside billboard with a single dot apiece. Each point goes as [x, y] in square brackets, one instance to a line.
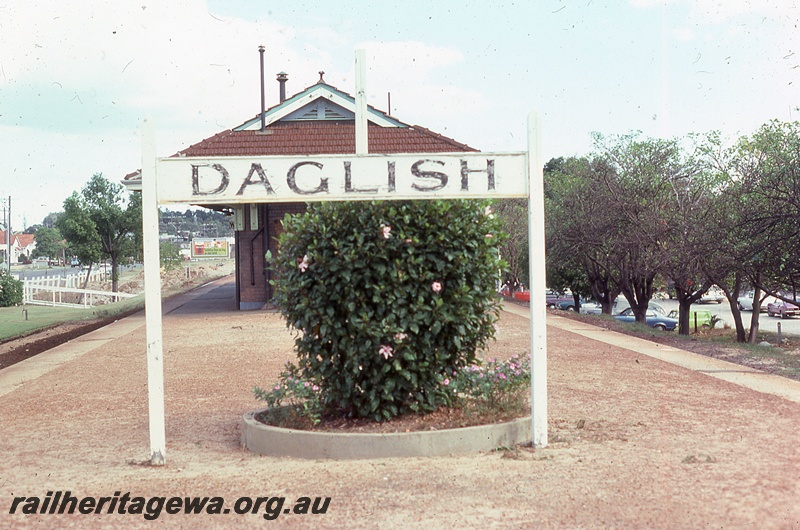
[206, 247]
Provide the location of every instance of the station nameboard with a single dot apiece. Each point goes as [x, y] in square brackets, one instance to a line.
[232, 180]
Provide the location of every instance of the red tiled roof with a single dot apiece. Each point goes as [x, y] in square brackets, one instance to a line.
[322, 137]
[18, 240]
[318, 138]
[24, 240]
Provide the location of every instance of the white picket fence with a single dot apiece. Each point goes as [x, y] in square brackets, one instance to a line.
[64, 291]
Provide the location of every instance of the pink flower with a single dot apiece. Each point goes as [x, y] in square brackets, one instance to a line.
[488, 212]
[436, 286]
[386, 351]
[303, 265]
[306, 384]
[400, 336]
[489, 236]
[387, 232]
[315, 387]
[408, 240]
[446, 382]
[277, 387]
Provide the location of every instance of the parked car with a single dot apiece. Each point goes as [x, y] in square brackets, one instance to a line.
[591, 308]
[653, 319]
[621, 304]
[554, 298]
[714, 295]
[782, 309]
[745, 302]
[523, 296]
[569, 305]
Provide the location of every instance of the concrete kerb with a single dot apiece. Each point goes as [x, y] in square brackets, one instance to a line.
[275, 441]
[733, 373]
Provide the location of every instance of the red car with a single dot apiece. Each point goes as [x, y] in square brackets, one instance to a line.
[523, 296]
[782, 308]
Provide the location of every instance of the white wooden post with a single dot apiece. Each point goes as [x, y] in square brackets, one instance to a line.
[152, 296]
[538, 283]
[362, 142]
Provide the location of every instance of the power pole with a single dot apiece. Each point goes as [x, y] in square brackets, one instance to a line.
[7, 221]
[8, 231]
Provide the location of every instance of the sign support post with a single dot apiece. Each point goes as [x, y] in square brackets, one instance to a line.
[362, 128]
[538, 281]
[152, 296]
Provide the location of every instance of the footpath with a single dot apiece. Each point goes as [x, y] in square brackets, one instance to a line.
[727, 371]
[641, 436]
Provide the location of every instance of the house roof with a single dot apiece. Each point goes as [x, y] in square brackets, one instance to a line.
[319, 120]
[321, 137]
[25, 240]
[19, 241]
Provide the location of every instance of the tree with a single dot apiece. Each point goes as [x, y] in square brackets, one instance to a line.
[691, 244]
[638, 191]
[579, 225]
[99, 224]
[513, 213]
[49, 243]
[768, 166]
[761, 194]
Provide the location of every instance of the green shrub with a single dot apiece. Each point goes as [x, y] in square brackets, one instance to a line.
[10, 290]
[389, 299]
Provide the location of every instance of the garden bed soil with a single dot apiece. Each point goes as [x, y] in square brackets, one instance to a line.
[442, 418]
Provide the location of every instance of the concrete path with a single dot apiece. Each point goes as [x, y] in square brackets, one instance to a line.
[727, 371]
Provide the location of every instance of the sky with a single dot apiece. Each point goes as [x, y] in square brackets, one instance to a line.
[77, 77]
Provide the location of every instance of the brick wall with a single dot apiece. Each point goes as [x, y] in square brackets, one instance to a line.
[252, 278]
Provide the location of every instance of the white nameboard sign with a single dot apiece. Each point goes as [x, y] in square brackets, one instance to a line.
[232, 180]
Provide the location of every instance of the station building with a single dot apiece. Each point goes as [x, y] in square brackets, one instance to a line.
[320, 120]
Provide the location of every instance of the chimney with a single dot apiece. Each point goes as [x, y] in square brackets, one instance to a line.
[263, 106]
[282, 77]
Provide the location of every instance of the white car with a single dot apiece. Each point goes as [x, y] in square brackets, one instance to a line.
[745, 302]
[714, 295]
[591, 308]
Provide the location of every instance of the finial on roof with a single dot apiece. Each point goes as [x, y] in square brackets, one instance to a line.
[321, 73]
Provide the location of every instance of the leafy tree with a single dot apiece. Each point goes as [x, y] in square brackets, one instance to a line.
[691, 244]
[513, 213]
[580, 227]
[391, 299]
[99, 224]
[170, 255]
[49, 243]
[768, 165]
[638, 191]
